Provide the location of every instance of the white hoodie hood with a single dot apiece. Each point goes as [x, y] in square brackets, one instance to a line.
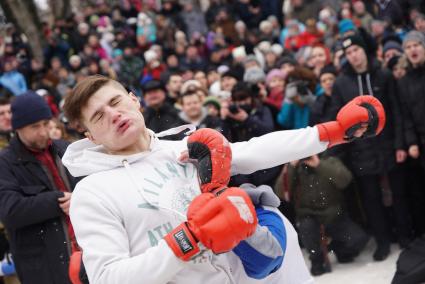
[83, 157]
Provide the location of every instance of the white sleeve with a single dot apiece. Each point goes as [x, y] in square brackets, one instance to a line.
[106, 251]
[275, 148]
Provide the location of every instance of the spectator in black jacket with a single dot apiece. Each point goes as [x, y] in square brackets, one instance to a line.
[371, 160]
[35, 193]
[159, 114]
[321, 108]
[411, 92]
[246, 117]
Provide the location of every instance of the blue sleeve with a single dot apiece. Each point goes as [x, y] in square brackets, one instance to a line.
[262, 253]
[285, 116]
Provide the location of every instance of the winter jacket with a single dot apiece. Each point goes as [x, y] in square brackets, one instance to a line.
[293, 116]
[411, 91]
[30, 211]
[14, 82]
[130, 71]
[259, 122]
[126, 205]
[320, 111]
[371, 155]
[161, 119]
[317, 191]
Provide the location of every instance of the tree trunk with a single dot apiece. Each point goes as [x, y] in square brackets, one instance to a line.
[23, 14]
[61, 9]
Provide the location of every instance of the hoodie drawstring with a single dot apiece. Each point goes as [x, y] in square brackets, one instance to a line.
[142, 192]
[368, 84]
[191, 128]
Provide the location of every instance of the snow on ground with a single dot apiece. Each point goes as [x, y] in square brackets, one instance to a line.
[363, 270]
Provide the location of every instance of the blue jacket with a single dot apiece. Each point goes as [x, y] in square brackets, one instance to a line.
[14, 82]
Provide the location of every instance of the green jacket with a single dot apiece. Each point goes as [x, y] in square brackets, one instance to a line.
[318, 191]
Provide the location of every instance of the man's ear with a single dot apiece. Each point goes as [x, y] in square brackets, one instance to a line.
[90, 137]
[134, 97]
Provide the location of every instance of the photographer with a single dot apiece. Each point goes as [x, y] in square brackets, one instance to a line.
[317, 186]
[299, 97]
[246, 117]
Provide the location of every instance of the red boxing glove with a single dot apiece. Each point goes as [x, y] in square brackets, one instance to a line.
[219, 221]
[77, 273]
[212, 151]
[362, 109]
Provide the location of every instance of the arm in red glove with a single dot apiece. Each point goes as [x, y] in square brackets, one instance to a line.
[219, 221]
[361, 110]
[220, 217]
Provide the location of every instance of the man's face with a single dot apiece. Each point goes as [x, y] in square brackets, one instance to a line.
[113, 118]
[420, 25]
[35, 136]
[227, 83]
[5, 118]
[154, 98]
[356, 56]
[174, 84]
[192, 106]
[415, 52]
[390, 54]
[287, 68]
[201, 78]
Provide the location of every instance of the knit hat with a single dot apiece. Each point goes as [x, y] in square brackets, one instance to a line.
[346, 25]
[353, 40]
[414, 36]
[287, 60]
[254, 75]
[275, 73]
[152, 85]
[392, 45]
[210, 100]
[328, 69]
[29, 108]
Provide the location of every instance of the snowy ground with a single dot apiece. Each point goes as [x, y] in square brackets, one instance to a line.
[363, 270]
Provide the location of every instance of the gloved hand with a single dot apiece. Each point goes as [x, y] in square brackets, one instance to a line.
[77, 271]
[213, 154]
[218, 220]
[220, 217]
[360, 110]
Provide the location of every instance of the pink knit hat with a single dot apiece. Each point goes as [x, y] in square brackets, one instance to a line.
[275, 73]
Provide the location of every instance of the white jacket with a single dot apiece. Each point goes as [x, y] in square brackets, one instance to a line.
[127, 204]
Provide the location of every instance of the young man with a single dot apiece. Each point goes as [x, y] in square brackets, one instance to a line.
[136, 191]
[376, 158]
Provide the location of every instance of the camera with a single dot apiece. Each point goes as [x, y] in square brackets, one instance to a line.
[302, 87]
[234, 109]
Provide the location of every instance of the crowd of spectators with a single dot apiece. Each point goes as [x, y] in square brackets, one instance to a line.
[250, 67]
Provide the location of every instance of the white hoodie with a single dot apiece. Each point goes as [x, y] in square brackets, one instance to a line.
[127, 204]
